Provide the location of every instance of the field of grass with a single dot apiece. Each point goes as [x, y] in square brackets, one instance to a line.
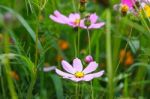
[74, 49]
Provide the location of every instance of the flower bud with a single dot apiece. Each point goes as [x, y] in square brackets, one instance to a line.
[83, 1]
[8, 18]
[87, 21]
[88, 59]
[82, 8]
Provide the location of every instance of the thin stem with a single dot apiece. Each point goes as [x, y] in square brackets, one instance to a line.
[2, 84]
[8, 69]
[76, 91]
[109, 57]
[89, 41]
[92, 92]
[75, 47]
[78, 41]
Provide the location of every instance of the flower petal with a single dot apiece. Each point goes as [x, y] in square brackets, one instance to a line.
[98, 74]
[63, 74]
[68, 67]
[77, 65]
[97, 25]
[49, 68]
[75, 79]
[59, 18]
[93, 18]
[82, 25]
[89, 77]
[129, 3]
[90, 68]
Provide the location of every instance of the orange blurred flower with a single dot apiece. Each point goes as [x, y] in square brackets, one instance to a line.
[126, 57]
[1, 37]
[63, 44]
[14, 75]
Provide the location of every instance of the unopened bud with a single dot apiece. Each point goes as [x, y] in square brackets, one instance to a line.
[87, 22]
[83, 1]
[82, 8]
[88, 59]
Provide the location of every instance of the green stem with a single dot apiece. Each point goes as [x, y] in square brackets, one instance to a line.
[89, 41]
[78, 42]
[92, 92]
[8, 69]
[75, 47]
[109, 57]
[76, 91]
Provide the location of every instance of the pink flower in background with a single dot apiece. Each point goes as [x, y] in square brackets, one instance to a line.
[73, 20]
[91, 22]
[76, 72]
[59, 18]
[126, 6]
[129, 3]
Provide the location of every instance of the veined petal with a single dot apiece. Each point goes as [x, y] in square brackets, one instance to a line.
[98, 74]
[77, 65]
[63, 74]
[75, 79]
[93, 18]
[97, 25]
[90, 68]
[89, 77]
[68, 67]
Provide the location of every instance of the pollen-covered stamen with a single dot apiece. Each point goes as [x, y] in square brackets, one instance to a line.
[79, 74]
[124, 8]
[76, 22]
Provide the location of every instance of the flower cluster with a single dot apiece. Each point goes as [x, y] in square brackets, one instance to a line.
[74, 20]
[134, 7]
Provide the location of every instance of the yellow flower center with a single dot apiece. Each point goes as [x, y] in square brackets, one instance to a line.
[147, 10]
[77, 22]
[124, 8]
[79, 74]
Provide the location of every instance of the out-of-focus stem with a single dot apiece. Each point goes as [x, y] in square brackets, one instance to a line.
[8, 69]
[89, 39]
[109, 57]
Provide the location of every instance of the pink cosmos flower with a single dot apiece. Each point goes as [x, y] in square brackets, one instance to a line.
[73, 20]
[92, 22]
[75, 72]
